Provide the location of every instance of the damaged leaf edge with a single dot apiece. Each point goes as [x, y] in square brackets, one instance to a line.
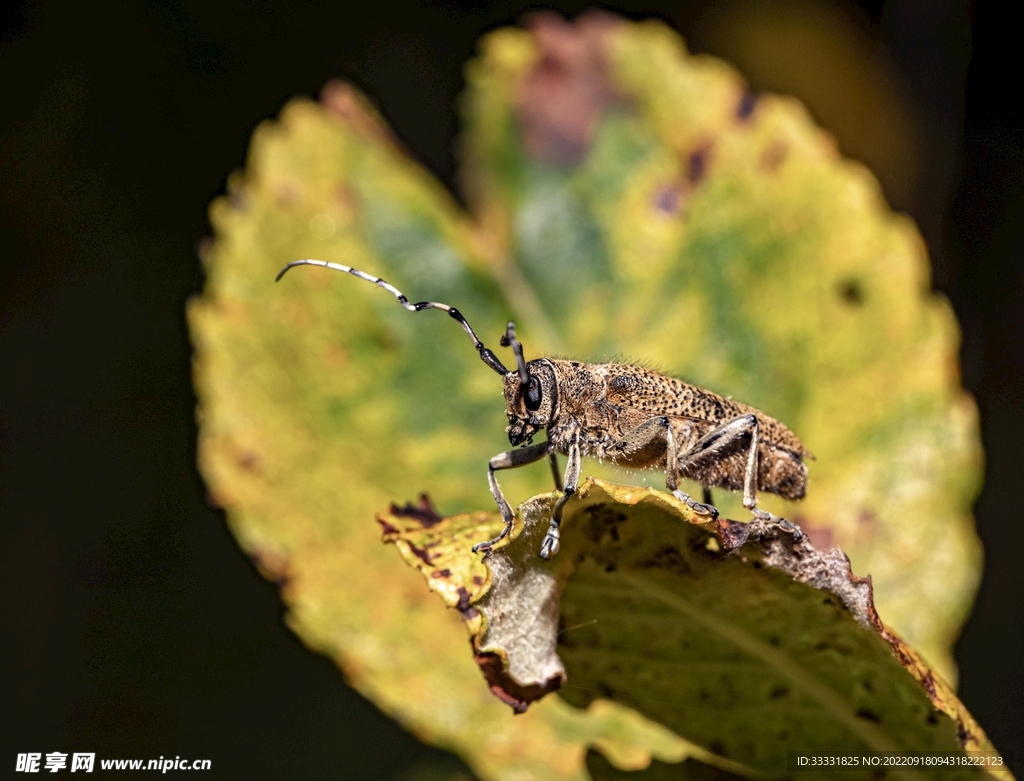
[827, 570]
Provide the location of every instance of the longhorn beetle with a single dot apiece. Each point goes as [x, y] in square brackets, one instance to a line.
[631, 416]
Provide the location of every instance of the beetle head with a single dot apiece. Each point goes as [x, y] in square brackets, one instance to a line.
[532, 407]
[531, 393]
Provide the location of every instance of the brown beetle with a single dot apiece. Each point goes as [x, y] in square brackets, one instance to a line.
[633, 417]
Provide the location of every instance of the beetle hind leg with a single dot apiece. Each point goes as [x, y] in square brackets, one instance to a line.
[648, 431]
[721, 438]
[789, 526]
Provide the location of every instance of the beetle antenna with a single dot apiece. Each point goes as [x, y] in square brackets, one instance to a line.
[509, 340]
[486, 355]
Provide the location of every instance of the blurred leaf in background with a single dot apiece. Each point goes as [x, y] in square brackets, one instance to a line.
[626, 199]
[826, 54]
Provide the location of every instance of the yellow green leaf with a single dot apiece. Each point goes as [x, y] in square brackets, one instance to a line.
[745, 639]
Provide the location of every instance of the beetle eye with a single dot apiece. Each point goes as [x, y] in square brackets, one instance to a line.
[533, 394]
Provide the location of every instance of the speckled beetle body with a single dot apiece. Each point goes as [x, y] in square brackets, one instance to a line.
[631, 416]
[640, 419]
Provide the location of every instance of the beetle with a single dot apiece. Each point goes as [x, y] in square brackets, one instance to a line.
[631, 416]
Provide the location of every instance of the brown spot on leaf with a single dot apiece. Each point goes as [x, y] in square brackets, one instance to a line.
[562, 99]
[668, 200]
[249, 461]
[346, 198]
[603, 521]
[668, 558]
[441, 573]
[745, 107]
[852, 292]
[420, 553]
[773, 156]
[463, 606]
[389, 529]
[834, 645]
[288, 196]
[866, 521]
[507, 690]
[869, 715]
[697, 165]
[928, 681]
[423, 511]
[477, 580]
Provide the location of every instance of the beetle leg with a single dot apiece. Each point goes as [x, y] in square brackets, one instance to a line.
[646, 432]
[789, 526]
[510, 459]
[549, 547]
[649, 430]
[701, 508]
[554, 470]
[720, 438]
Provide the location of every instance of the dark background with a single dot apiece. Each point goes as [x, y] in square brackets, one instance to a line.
[132, 625]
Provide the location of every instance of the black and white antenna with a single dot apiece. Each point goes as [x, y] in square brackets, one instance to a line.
[509, 340]
[486, 355]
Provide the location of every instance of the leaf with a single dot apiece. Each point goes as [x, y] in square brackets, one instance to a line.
[666, 216]
[737, 250]
[740, 637]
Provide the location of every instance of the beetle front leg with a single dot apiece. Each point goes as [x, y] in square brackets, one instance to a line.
[549, 547]
[510, 459]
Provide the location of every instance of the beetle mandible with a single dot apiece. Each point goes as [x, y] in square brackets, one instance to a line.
[631, 416]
